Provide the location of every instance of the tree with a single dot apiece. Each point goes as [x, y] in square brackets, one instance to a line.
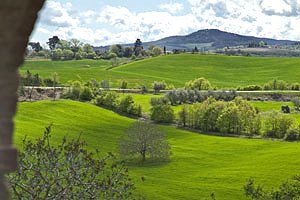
[56, 54]
[67, 54]
[156, 51]
[76, 46]
[277, 124]
[144, 140]
[55, 81]
[64, 45]
[123, 85]
[52, 42]
[117, 49]
[161, 110]
[157, 86]
[128, 51]
[198, 84]
[36, 46]
[88, 48]
[67, 171]
[138, 47]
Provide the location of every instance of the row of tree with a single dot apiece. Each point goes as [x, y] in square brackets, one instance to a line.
[272, 85]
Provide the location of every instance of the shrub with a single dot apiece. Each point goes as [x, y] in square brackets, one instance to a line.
[67, 171]
[126, 105]
[107, 99]
[292, 134]
[296, 102]
[288, 190]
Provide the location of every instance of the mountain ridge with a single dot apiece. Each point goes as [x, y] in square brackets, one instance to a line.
[208, 39]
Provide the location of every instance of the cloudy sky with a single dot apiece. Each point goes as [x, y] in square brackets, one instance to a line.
[105, 22]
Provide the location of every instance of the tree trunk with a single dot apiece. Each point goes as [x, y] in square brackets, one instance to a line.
[17, 20]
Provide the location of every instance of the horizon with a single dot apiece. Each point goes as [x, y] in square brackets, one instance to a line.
[103, 23]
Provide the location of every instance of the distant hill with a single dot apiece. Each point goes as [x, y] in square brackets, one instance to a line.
[209, 39]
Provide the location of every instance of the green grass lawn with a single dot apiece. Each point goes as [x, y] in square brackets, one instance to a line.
[199, 164]
[264, 106]
[221, 71]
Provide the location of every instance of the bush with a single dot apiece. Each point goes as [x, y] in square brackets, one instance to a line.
[126, 105]
[67, 171]
[107, 99]
[250, 88]
[292, 134]
[74, 91]
[289, 190]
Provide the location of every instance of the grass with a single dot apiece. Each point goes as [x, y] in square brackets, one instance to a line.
[264, 106]
[200, 164]
[221, 71]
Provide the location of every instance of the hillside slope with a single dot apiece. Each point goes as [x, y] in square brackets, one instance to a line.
[199, 164]
[221, 71]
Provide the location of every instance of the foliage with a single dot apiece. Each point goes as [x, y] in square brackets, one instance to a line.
[105, 84]
[277, 124]
[123, 84]
[52, 42]
[67, 171]
[296, 102]
[182, 96]
[289, 190]
[107, 99]
[158, 85]
[86, 94]
[198, 84]
[127, 105]
[236, 117]
[161, 110]
[144, 140]
[193, 155]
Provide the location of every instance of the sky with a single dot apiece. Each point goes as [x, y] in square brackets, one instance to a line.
[106, 22]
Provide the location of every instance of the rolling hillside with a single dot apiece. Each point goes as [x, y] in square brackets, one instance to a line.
[199, 164]
[221, 71]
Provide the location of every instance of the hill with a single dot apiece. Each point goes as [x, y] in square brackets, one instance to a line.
[209, 39]
[199, 164]
[221, 71]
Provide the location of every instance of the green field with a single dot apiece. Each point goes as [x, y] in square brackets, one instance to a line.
[221, 71]
[199, 164]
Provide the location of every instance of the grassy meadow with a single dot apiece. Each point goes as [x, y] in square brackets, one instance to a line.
[199, 165]
[221, 71]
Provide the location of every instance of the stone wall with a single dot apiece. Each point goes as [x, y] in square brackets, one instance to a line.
[17, 18]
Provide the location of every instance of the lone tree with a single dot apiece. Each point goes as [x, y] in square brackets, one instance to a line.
[53, 42]
[67, 171]
[144, 140]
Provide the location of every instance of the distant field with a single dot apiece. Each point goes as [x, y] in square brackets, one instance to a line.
[199, 165]
[222, 71]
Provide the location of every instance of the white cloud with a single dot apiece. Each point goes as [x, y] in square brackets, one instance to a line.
[172, 7]
[278, 7]
[151, 25]
[58, 15]
[115, 24]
